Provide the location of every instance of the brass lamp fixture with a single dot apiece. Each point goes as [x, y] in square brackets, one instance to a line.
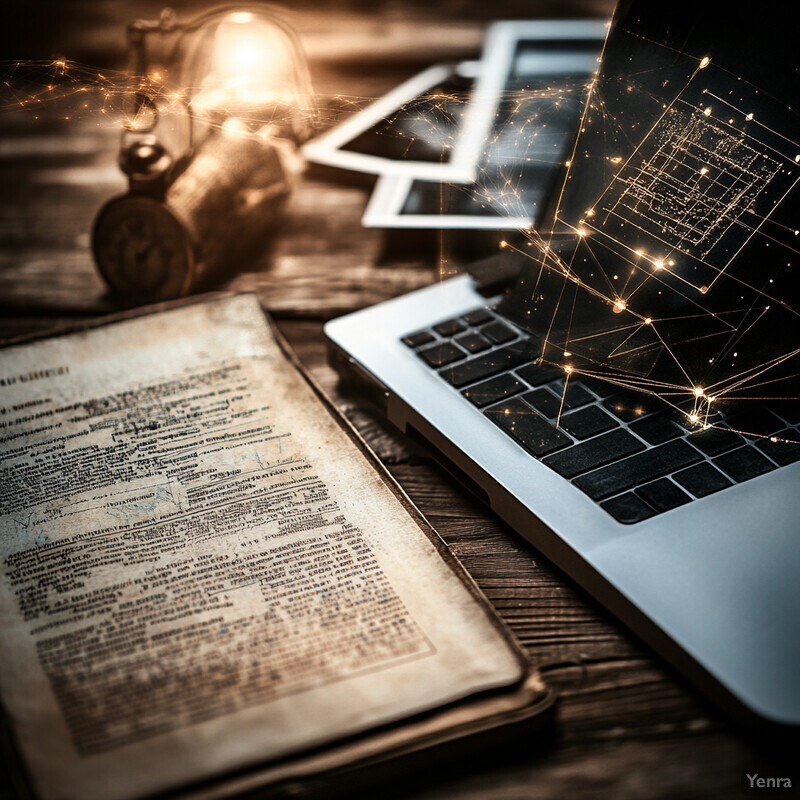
[219, 106]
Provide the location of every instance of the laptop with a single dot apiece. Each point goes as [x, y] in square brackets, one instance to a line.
[629, 405]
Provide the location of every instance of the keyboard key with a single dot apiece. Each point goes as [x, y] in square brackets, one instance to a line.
[441, 354]
[714, 441]
[488, 364]
[493, 390]
[629, 406]
[682, 416]
[537, 375]
[587, 422]
[788, 409]
[743, 464]
[533, 432]
[417, 339]
[449, 327]
[543, 401]
[473, 342]
[477, 317]
[499, 332]
[575, 397]
[656, 429]
[594, 453]
[782, 452]
[758, 420]
[638, 469]
[663, 494]
[628, 508]
[702, 480]
[601, 388]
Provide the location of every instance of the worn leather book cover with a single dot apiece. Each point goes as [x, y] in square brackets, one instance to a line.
[211, 587]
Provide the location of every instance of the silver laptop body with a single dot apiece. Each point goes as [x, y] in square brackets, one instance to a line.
[713, 585]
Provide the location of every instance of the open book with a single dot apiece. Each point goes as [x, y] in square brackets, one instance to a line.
[208, 583]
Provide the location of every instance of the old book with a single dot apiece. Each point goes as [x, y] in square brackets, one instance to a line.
[209, 584]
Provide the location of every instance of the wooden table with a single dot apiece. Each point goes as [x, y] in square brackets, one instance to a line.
[627, 726]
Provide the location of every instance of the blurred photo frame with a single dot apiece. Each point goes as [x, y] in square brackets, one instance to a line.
[534, 116]
[411, 130]
[390, 137]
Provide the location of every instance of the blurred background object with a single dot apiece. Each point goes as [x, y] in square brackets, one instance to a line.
[219, 105]
[59, 143]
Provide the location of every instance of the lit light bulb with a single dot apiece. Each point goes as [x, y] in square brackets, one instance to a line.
[247, 65]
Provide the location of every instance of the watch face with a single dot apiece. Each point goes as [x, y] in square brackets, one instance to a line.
[141, 250]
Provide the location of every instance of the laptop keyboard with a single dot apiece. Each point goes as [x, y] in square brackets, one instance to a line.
[630, 452]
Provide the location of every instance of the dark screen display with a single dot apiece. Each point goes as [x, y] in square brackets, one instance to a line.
[670, 257]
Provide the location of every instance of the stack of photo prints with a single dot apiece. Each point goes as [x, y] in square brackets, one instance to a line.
[475, 145]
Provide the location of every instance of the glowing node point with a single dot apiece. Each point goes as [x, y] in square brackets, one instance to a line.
[619, 306]
[704, 62]
[704, 170]
[773, 439]
[693, 417]
[797, 157]
[590, 212]
[581, 233]
[567, 369]
[567, 354]
[647, 320]
[750, 115]
[567, 163]
[504, 243]
[703, 289]
[658, 264]
[698, 391]
[707, 111]
[671, 263]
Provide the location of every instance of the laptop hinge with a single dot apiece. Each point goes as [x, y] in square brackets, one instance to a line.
[497, 273]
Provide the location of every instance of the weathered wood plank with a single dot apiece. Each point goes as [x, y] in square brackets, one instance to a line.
[693, 766]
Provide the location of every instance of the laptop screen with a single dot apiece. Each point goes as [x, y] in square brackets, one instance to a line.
[670, 260]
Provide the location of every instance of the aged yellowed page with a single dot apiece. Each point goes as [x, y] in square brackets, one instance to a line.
[199, 569]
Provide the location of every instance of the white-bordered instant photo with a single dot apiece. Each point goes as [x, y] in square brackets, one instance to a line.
[426, 125]
[447, 144]
[533, 121]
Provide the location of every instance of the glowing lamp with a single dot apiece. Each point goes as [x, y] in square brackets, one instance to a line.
[219, 106]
